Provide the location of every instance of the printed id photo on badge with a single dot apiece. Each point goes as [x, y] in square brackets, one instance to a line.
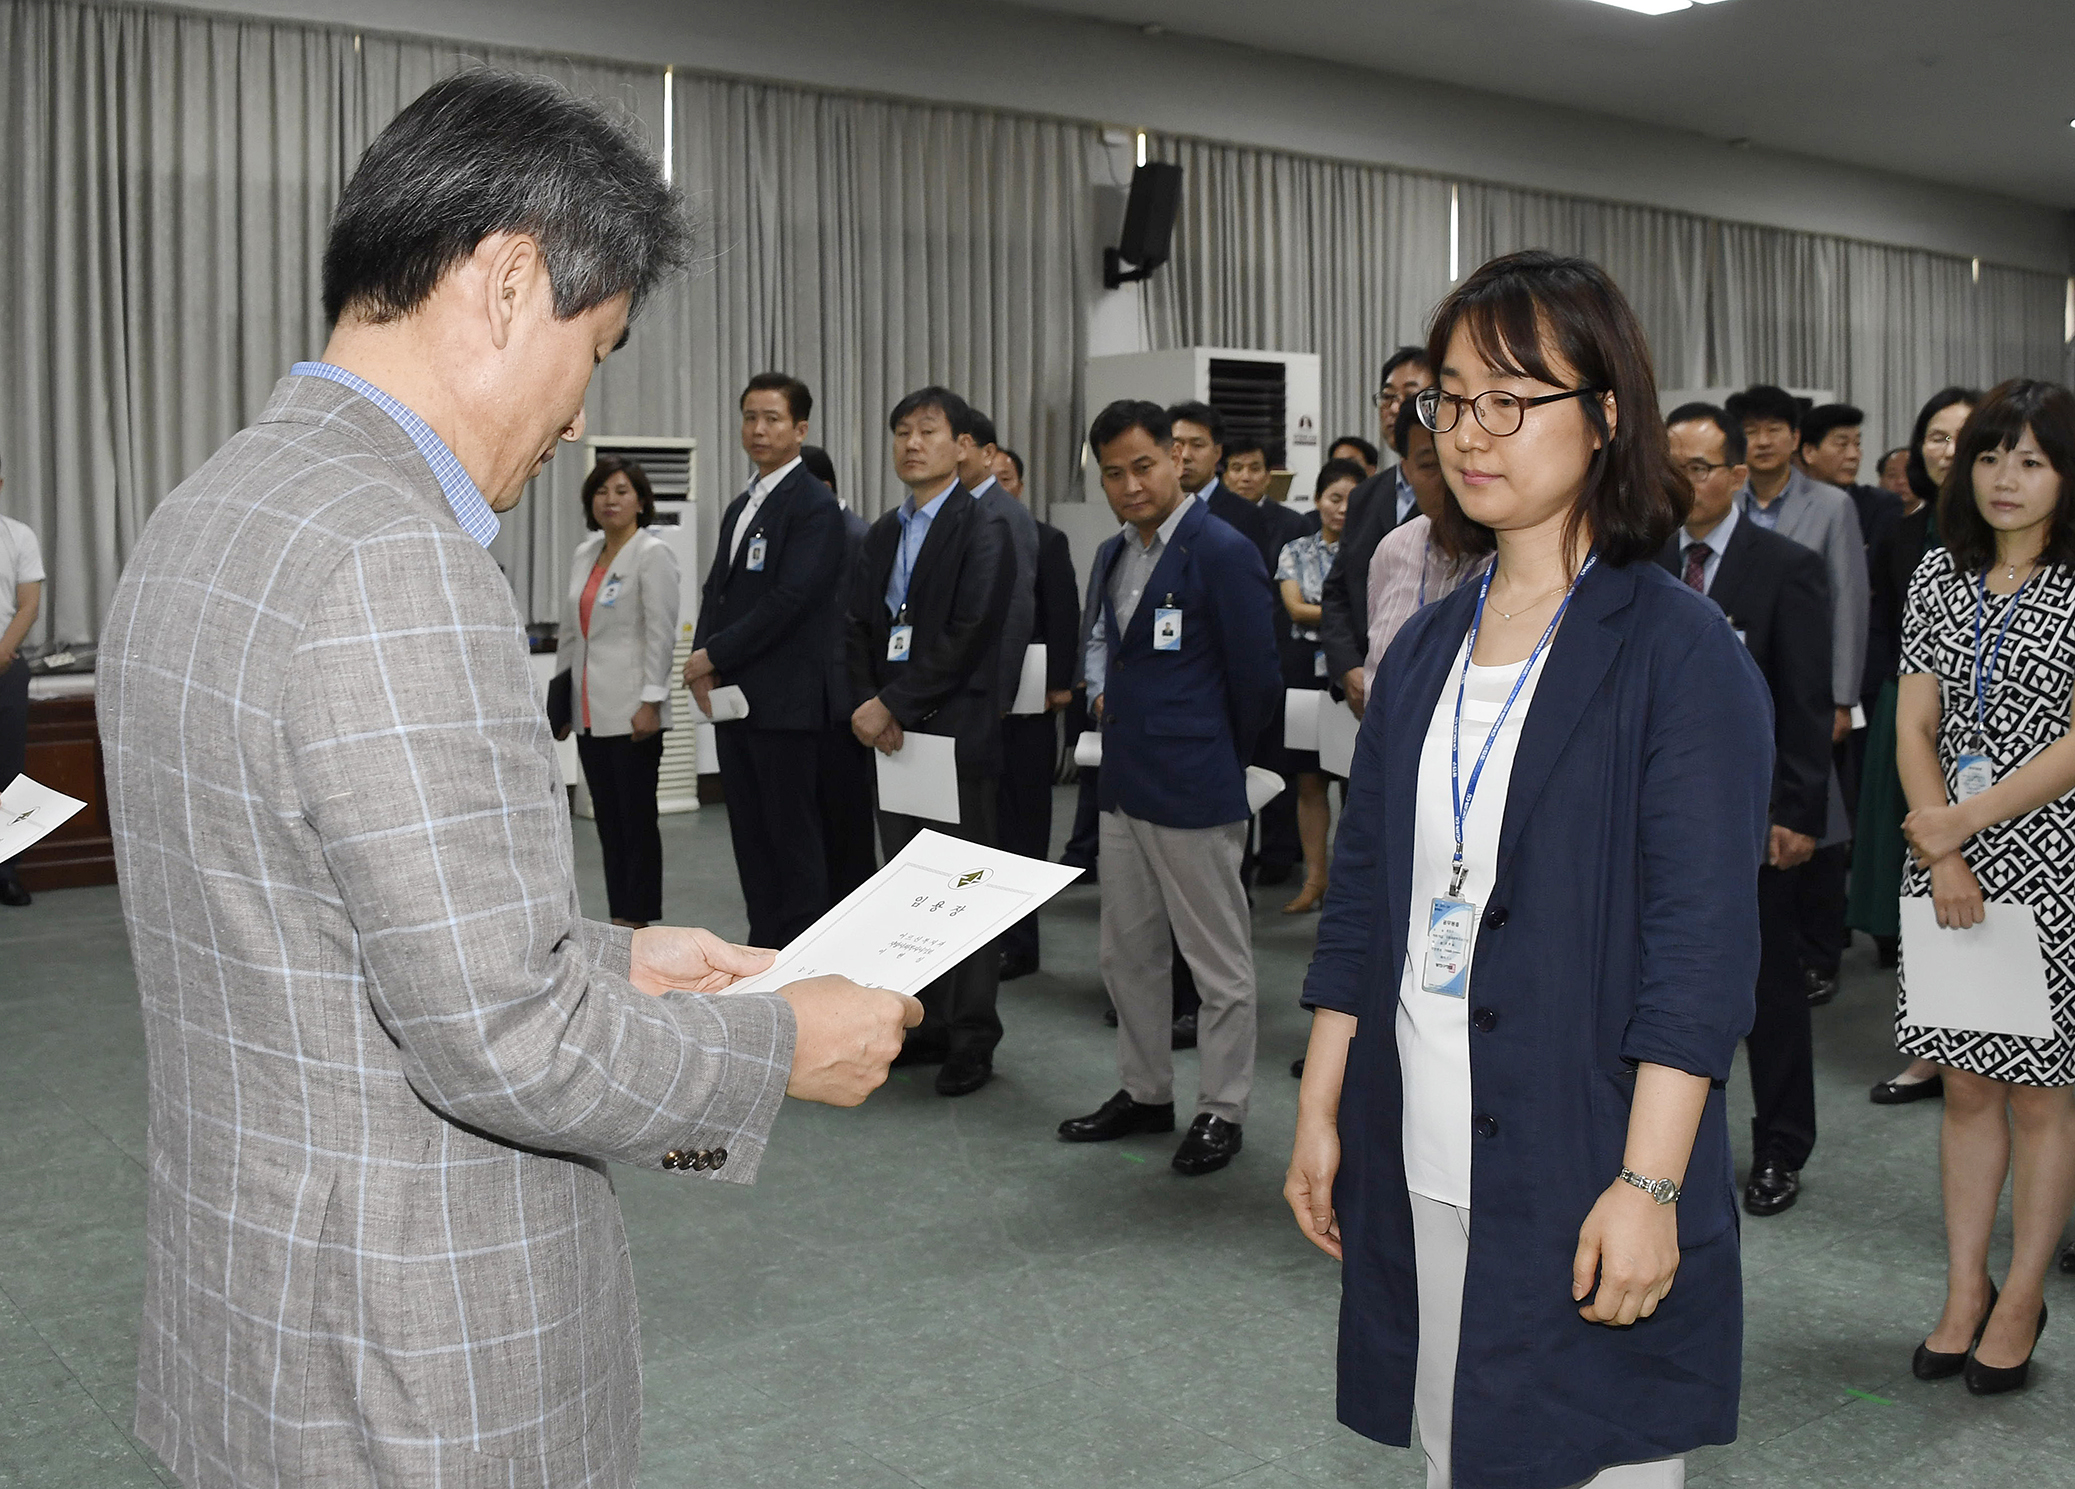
[1167, 630]
[755, 561]
[1451, 937]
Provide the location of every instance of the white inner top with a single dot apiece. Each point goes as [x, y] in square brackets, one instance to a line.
[1434, 1030]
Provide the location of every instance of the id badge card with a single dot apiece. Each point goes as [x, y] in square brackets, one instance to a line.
[898, 641]
[1318, 662]
[1167, 630]
[1451, 934]
[609, 591]
[1972, 775]
[755, 562]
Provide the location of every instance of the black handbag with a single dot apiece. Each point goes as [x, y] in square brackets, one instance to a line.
[559, 717]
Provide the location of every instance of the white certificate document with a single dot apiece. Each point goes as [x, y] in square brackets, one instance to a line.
[1030, 691]
[939, 900]
[1989, 978]
[29, 812]
[920, 779]
[1337, 728]
[1088, 750]
[1300, 708]
[729, 704]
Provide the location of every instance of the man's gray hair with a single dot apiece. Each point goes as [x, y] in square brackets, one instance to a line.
[489, 152]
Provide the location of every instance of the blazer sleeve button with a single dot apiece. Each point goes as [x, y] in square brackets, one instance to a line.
[720, 1157]
[672, 1158]
[1495, 917]
[701, 1161]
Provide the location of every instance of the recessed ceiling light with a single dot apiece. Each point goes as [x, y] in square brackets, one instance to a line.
[1656, 7]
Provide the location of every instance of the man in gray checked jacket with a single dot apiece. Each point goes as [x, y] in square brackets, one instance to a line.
[389, 1060]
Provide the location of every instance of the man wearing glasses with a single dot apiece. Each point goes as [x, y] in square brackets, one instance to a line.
[1373, 509]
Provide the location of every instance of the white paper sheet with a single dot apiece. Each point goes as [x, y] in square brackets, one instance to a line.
[920, 779]
[729, 704]
[1262, 786]
[1088, 750]
[1989, 978]
[1300, 707]
[937, 902]
[1030, 691]
[30, 811]
[1337, 728]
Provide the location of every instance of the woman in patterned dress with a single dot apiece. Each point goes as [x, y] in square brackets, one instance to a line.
[1300, 573]
[1987, 760]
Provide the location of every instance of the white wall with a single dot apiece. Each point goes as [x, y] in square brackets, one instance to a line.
[959, 51]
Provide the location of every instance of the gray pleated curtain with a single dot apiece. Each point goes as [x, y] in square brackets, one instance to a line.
[167, 179]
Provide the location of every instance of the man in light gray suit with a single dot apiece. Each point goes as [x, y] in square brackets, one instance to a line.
[388, 1059]
[1782, 497]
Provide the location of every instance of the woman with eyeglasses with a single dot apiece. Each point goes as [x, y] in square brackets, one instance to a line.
[1540, 943]
[1878, 852]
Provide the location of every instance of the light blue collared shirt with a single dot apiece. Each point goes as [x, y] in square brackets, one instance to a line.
[1768, 517]
[915, 526]
[1407, 497]
[1716, 543]
[470, 510]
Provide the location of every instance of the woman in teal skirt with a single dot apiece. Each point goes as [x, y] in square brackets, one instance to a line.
[1877, 846]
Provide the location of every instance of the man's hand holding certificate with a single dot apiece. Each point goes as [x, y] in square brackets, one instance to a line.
[939, 900]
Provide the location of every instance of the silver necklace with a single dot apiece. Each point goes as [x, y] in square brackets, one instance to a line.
[1537, 600]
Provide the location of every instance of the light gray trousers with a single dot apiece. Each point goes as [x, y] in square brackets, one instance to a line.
[1185, 879]
[1441, 1256]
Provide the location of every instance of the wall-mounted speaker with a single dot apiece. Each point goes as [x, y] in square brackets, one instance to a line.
[1156, 196]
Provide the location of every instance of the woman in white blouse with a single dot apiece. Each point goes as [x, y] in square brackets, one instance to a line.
[619, 626]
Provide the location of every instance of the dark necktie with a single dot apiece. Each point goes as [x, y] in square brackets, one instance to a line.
[1697, 566]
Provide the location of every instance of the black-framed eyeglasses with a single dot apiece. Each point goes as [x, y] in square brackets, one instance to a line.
[1699, 470]
[1383, 396]
[1498, 412]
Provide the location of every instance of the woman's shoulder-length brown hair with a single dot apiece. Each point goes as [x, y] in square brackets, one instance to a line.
[1528, 312]
[1998, 422]
[604, 470]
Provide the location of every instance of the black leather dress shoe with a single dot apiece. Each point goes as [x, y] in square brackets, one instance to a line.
[1772, 1188]
[1013, 967]
[1211, 1144]
[923, 1050]
[1938, 1364]
[1821, 986]
[12, 893]
[964, 1074]
[1993, 1380]
[1901, 1093]
[1185, 1032]
[1120, 1116]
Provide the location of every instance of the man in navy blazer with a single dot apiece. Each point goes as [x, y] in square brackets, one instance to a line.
[1776, 594]
[767, 624]
[1190, 680]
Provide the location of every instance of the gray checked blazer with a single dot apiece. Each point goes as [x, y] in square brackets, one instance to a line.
[388, 1060]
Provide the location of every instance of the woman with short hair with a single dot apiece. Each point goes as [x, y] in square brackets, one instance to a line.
[619, 629]
[1540, 946]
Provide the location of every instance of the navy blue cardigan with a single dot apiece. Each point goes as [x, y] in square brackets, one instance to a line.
[1623, 927]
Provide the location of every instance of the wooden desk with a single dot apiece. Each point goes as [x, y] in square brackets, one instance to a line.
[65, 755]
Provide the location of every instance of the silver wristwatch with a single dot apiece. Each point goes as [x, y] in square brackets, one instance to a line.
[1664, 1191]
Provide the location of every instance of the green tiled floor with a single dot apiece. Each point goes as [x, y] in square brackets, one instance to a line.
[932, 1292]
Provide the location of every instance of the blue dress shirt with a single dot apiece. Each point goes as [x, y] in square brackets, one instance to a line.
[915, 525]
[470, 510]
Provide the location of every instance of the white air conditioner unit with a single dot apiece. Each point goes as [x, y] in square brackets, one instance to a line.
[671, 466]
[1271, 395]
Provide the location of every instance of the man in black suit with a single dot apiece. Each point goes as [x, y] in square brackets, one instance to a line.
[1246, 477]
[849, 830]
[1373, 509]
[1029, 741]
[1199, 443]
[977, 447]
[1776, 594]
[767, 624]
[926, 614]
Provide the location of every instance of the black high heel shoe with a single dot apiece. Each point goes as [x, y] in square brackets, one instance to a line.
[1988, 1380]
[1937, 1364]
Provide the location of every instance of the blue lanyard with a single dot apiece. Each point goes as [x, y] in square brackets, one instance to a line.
[904, 559]
[1983, 684]
[1460, 797]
